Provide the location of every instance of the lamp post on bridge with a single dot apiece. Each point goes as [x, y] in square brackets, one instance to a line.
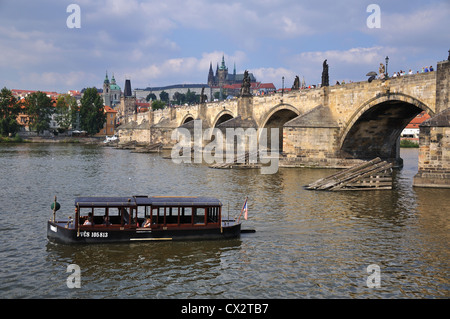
[386, 74]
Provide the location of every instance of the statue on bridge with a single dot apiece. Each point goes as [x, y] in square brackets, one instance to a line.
[245, 87]
[381, 71]
[325, 78]
[203, 96]
[296, 85]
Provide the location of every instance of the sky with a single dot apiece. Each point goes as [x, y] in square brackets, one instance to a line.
[159, 43]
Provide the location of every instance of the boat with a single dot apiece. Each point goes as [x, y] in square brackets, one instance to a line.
[142, 218]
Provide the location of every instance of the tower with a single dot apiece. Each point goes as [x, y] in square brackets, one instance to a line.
[222, 75]
[211, 81]
[127, 102]
[106, 91]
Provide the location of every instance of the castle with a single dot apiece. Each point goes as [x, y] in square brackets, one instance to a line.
[222, 77]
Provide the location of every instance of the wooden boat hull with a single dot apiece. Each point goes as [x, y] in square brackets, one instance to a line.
[59, 233]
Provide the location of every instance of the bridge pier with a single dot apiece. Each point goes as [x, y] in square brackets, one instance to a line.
[434, 152]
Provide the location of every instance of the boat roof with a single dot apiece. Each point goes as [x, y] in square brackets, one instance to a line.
[105, 201]
[178, 201]
[182, 201]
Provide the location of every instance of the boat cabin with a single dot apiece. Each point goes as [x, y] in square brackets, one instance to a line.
[147, 212]
[163, 211]
[101, 212]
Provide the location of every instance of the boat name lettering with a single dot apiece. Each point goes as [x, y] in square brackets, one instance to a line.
[94, 234]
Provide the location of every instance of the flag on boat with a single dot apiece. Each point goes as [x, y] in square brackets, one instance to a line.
[245, 209]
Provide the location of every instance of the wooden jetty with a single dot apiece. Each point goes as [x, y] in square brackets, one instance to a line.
[371, 175]
[126, 146]
[242, 161]
[152, 148]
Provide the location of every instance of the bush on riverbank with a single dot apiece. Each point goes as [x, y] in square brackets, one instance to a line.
[15, 139]
[408, 144]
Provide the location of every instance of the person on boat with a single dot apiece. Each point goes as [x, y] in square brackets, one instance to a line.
[147, 223]
[106, 221]
[88, 221]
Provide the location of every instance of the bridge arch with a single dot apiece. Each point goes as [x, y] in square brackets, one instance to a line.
[223, 116]
[374, 129]
[276, 117]
[187, 118]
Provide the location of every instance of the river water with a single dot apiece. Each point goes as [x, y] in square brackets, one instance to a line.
[308, 244]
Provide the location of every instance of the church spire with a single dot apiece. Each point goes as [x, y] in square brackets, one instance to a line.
[106, 78]
[222, 66]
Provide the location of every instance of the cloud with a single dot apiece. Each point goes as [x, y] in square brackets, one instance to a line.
[274, 75]
[351, 64]
[168, 42]
[416, 28]
[50, 79]
[182, 70]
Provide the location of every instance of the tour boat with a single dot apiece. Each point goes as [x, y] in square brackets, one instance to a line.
[142, 218]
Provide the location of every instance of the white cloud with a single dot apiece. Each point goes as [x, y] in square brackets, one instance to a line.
[171, 41]
[274, 75]
[416, 28]
[182, 70]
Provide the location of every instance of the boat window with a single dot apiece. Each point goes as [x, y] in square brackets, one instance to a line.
[158, 215]
[143, 212]
[185, 215]
[199, 215]
[213, 214]
[114, 216]
[171, 215]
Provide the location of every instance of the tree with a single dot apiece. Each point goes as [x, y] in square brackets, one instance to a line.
[151, 96]
[39, 108]
[191, 97]
[179, 98]
[158, 105]
[164, 96]
[92, 112]
[9, 110]
[64, 106]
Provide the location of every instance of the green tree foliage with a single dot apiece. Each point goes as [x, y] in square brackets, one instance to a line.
[164, 96]
[92, 112]
[39, 108]
[179, 98]
[9, 109]
[151, 96]
[64, 110]
[191, 97]
[158, 105]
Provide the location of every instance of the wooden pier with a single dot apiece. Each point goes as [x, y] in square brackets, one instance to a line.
[372, 175]
[239, 162]
[152, 148]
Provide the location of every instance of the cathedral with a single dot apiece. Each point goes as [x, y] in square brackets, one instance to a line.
[111, 92]
[222, 77]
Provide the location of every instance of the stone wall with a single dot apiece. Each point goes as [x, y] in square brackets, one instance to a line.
[434, 152]
[442, 86]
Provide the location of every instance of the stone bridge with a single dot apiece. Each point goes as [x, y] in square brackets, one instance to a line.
[334, 126]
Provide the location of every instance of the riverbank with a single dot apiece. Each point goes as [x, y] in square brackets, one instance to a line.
[62, 139]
